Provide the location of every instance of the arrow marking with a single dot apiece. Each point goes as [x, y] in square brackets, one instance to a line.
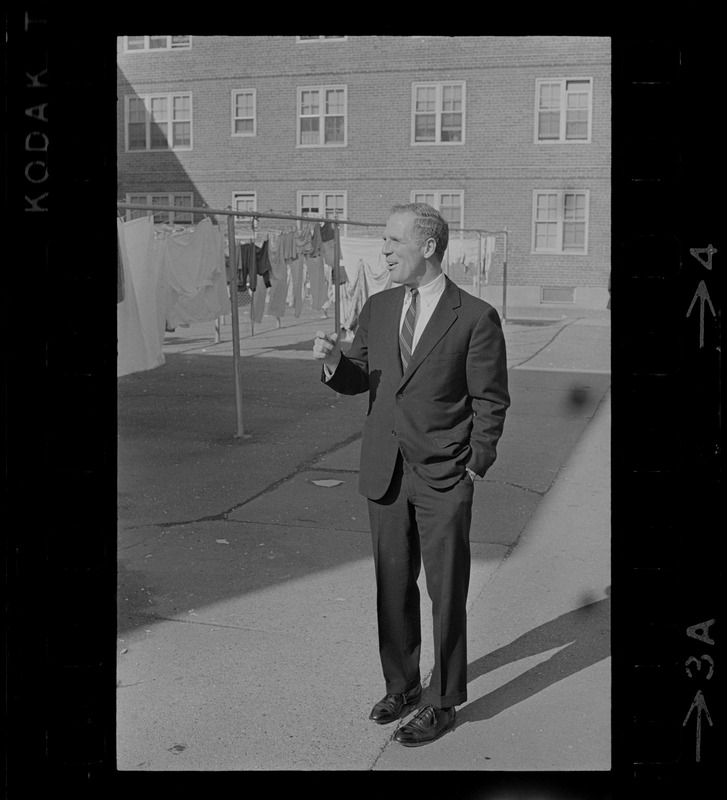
[703, 296]
[701, 706]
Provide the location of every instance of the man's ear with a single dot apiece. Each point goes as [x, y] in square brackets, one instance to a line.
[430, 247]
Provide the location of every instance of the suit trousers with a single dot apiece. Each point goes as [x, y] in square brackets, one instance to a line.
[412, 524]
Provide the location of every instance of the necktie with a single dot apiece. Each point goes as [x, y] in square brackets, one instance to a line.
[406, 335]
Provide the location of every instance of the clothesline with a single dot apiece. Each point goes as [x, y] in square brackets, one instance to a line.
[256, 215]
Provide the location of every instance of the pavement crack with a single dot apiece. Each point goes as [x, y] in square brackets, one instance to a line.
[223, 516]
[519, 486]
[549, 342]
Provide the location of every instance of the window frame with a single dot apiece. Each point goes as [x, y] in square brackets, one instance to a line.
[147, 99]
[563, 109]
[147, 41]
[439, 85]
[321, 89]
[233, 96]
[437, 199]
[316, 39]
[148, 200]
[244, 222]
[322, 204]
[560, 222]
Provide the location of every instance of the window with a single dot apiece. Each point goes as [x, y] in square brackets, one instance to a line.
[322, 38]
[141, 43]
[158, 122]
[449, 205]
[438, 113]
[563, 110]
[322, 116]
[560, 221]
[323, 204]
[243, 112]
[244, 201]
[167, 199]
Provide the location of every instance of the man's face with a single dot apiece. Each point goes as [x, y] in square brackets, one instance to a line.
[404, 256]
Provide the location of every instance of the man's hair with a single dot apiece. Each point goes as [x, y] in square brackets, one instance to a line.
[428, 224]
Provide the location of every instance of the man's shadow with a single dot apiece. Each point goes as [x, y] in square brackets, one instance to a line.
[586, 634]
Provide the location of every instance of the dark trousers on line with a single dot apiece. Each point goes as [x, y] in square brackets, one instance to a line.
[411, 524]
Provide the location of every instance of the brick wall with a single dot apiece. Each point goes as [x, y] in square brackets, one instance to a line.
[498, 166]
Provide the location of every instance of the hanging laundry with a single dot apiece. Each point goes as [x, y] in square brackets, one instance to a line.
[489, 243]
[246, 266]
[262, 263]
[328, 232]
[279, 270]
[295, 295]
[304, 240]
[318, 284]
[196, 275]
[119, 270]
[140, 315]
[316, 240]
[287, 245]
[367, 250]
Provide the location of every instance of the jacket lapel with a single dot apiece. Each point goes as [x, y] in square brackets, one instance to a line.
[440, 322]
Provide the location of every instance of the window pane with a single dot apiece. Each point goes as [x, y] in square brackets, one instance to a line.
[425, 128]
[181, 107]
[309, 128]
[581, 86]
[309, 103]
[546, 207]
[426, 99]
[574, 206]
[549, 95]
[334, 101]
[451, 127]
[334, 129]
[180, 41]
[548, 125]
[134, 42]
[546, 235]
[243, 104]
[574, 235]
[451, 98]
[182, 134]
[334, 205]
[137, 136]
[159, 136]
[576, 124]
[157, 42]
[244, 126]
[159, 108]
[137, 110]
[423, 197]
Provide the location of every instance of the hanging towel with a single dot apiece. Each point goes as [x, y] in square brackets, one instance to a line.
[140, 315]
[279, 289]
[196, 274]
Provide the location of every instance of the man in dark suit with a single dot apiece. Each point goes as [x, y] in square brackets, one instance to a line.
[432, 358]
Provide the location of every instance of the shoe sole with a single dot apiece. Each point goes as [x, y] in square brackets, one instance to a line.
[404, 711]
[448, 727]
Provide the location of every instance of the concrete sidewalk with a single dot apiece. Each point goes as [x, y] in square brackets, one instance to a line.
[281, 670]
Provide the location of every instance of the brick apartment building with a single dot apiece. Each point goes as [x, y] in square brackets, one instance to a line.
[498, 132]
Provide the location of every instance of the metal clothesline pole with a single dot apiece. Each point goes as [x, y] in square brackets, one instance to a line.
[232, 273]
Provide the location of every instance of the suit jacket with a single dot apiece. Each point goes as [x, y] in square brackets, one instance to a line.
[447, 411]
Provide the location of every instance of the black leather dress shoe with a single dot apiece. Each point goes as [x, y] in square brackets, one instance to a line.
[427, 726]
[394, 706]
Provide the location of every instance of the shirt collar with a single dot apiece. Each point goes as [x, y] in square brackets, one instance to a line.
[432, 289]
